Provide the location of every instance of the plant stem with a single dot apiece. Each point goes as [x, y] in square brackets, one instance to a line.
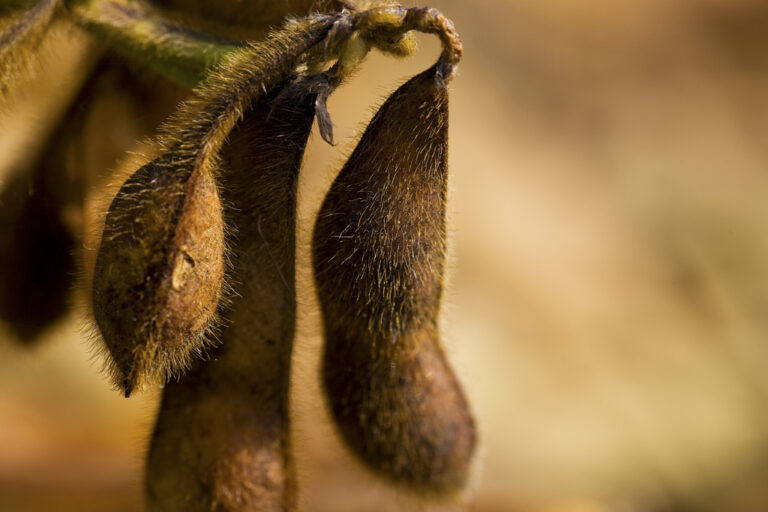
[133, 28]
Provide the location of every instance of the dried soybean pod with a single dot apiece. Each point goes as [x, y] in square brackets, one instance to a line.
[159, 271]
[221, 441]
[379, 257]
[158, 275]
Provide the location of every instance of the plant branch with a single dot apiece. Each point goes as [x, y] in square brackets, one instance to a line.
[135, 29]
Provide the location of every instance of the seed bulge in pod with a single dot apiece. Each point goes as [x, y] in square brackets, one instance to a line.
[159, 271]
[379, 258]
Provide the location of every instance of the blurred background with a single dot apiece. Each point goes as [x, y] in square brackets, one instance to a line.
[607, 305]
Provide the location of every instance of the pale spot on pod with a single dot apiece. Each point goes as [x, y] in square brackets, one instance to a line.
[181, 269]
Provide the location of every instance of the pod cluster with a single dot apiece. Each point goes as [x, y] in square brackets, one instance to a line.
[193, 288]
[379, 262]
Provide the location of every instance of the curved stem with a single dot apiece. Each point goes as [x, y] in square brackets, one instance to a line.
[387, 28]
[432, 21]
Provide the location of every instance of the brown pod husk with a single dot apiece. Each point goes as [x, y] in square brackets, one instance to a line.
[159, 271]
[379, 257]
[221, 441]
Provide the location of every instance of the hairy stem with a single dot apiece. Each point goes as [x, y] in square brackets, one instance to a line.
[136, 30]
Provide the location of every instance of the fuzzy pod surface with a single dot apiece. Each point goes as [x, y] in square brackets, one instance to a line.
[222, 437]
[379, 258]
[159, 271]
